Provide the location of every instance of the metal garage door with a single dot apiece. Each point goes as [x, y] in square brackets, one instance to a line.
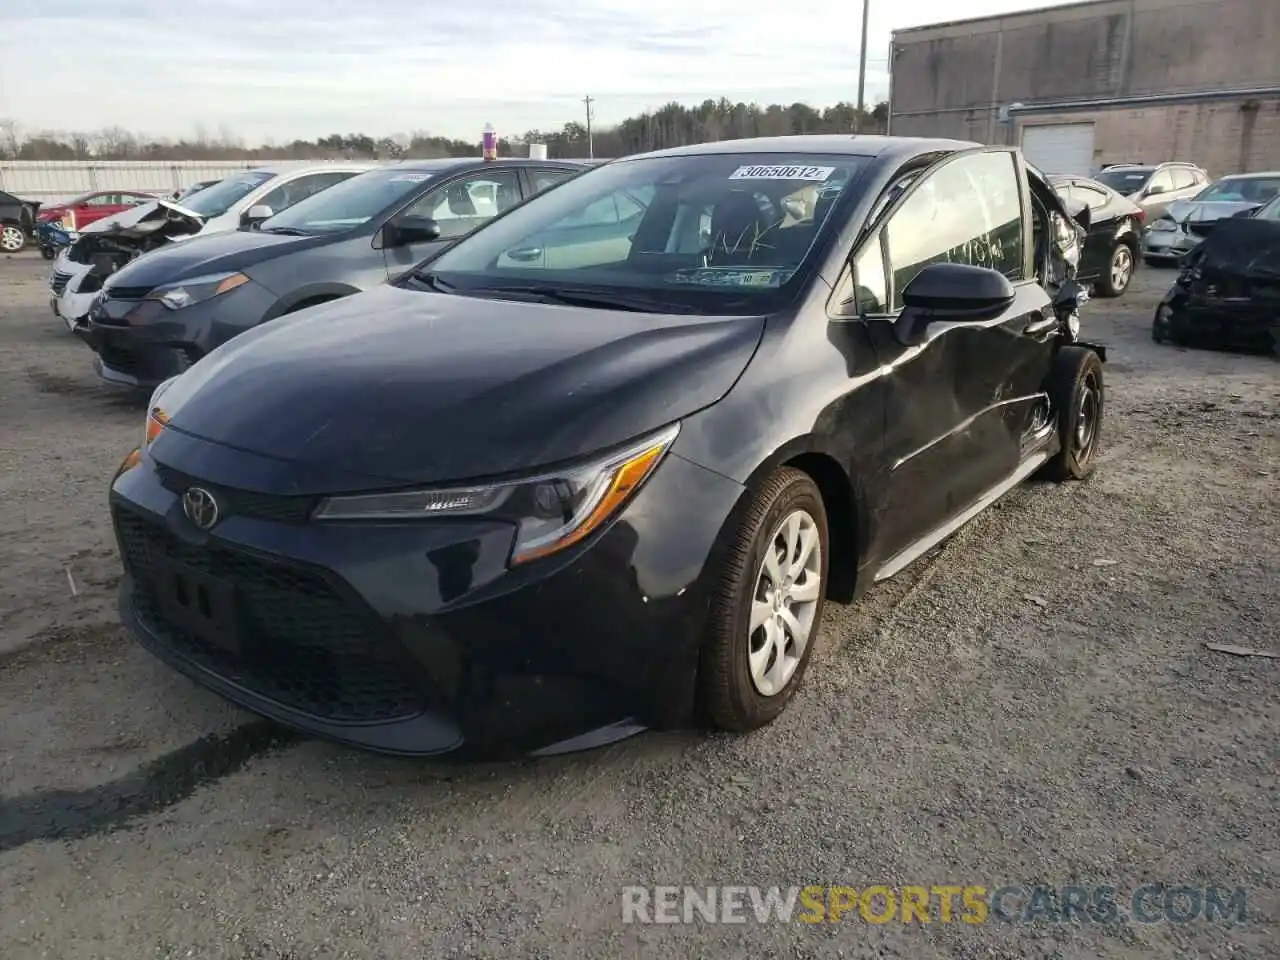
[1065, 148]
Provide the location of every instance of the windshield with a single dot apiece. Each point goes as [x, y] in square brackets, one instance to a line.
[1126, 181]
[218, 199]
[722, 230]
[1241, 190]
[349, 204]
[1270, 212]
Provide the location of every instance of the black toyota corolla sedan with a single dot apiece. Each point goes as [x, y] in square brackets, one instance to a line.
[596, 467]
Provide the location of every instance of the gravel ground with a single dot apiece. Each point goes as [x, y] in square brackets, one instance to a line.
[1011, 710]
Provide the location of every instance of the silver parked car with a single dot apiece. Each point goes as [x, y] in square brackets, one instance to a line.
[1153, 186]
[1168, 238]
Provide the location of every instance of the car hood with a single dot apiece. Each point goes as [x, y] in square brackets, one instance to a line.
[148, 219]
[406, 387]
[1206, 209]
[221, 252]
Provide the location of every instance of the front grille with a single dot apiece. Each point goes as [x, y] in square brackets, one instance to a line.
[303, 645]
[245, 503]
[58, 282]
[117, 358]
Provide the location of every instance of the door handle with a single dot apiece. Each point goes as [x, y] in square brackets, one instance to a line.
[525, 253]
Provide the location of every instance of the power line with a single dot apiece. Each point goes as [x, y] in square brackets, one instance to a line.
[591, 152]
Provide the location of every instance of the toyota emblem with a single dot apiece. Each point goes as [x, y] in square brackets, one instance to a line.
[200, 507]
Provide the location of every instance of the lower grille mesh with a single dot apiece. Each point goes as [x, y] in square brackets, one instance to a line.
[303, 645]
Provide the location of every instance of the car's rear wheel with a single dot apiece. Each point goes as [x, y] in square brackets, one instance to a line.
[1118, 275]
[12, 238]
[1076, 390]
[768, 605]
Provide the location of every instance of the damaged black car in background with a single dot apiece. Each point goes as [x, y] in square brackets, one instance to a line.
[1228, 289]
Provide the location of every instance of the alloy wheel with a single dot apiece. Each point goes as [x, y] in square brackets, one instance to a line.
[1086, 433]
[1121, 268]
[11, 239]
[784, 603]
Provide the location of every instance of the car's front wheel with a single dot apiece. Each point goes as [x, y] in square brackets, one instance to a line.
[12, 238]
[1075, 389]
[768, 605]
[1119, 273]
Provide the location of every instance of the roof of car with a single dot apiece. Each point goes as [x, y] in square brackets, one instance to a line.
[852, 145]
[1256, 175]
[294, 166]
[438, 164]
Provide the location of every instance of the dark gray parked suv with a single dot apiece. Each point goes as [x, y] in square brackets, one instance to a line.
[167, 309]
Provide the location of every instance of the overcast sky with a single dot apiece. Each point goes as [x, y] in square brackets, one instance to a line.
[302, 68]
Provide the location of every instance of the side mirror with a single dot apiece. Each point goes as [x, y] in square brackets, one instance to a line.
[1244, 214]
[408, 230]
[256, 214]
[1155, 190]
[950, 292]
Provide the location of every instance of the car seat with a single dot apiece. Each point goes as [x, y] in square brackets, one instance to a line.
[508, 196]
[741, 230]
[460, 202]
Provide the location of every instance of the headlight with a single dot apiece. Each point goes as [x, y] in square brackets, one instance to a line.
[157, 419]
[1163, 225]
[175, 296]
[551, 511]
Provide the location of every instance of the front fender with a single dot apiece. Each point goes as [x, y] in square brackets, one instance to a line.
[324, 290]
[1097, 348]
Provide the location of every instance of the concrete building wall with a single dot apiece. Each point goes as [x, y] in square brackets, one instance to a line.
[952, 79]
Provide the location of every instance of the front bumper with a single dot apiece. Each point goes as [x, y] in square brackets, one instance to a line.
[414, 638]
[141, 343]
[1246, 323]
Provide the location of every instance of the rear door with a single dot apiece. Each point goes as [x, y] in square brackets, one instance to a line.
[958, 405]
[458, 206]
[1096, 256]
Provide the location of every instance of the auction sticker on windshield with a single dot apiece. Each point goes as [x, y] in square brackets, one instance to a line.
[410, 178]
[782, 173]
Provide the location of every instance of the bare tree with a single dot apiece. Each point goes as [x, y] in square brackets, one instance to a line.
[10, 137]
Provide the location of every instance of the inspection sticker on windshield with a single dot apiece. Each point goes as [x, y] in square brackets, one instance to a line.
[782, 173]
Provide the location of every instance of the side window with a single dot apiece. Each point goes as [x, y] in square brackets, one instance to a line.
[871, 288]
[1095, 198]
[103, 200]
[969, 211]
[542, 179]
[287, 194]
[1162, 179]
[1182, 178]
[461, 205]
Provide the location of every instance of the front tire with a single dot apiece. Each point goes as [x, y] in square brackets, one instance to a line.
[1076, 390]
[768, 605]
[1116, 278]
[12, 238]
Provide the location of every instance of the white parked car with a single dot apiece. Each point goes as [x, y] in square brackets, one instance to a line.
[238, 202]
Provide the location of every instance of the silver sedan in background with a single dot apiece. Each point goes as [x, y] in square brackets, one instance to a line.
[1167, 238]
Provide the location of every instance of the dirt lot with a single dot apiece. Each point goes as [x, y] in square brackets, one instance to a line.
[1009, 711]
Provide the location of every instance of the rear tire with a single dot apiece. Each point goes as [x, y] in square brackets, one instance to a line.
[1076, 391]
[767, 609]
[1118, 273]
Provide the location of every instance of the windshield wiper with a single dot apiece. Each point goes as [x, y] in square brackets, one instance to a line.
[286, 231]
[429, 280]
[588, 298]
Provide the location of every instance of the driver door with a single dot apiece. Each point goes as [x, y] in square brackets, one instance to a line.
[458, 207]
[957, 405]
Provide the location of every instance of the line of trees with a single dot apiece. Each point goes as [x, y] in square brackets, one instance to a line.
[670, 126]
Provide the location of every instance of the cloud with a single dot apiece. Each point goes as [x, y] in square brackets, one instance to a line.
[293, 68]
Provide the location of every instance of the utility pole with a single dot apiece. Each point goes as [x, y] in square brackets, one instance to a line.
[591, 150]
[862, 69]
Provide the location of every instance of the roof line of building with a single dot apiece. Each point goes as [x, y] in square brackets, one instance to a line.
[991, 17]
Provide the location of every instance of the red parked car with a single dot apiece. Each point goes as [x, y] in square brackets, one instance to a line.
[93, 206]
